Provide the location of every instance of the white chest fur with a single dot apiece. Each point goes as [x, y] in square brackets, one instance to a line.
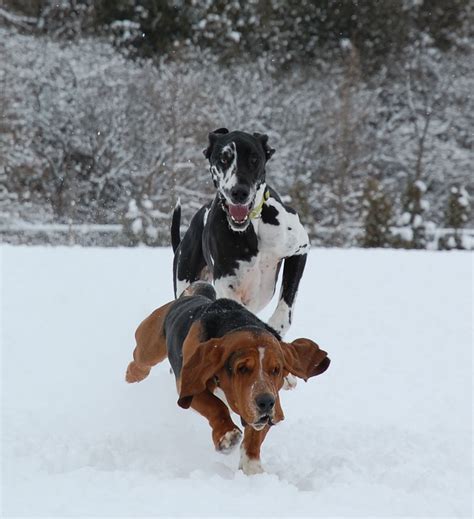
[253, 282]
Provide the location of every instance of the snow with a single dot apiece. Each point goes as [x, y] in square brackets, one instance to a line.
[345, 43]
[235, 36]
[417, 221]
[421, 186]
[463, 201]
[386, 431]
[405, 233]
[405, 218]
[137, 226]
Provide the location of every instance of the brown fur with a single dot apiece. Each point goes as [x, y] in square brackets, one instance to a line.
[151, 345]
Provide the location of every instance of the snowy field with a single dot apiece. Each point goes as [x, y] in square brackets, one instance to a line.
[386, 431]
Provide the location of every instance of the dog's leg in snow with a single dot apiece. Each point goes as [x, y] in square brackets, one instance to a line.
[250, 450]
[225, 434]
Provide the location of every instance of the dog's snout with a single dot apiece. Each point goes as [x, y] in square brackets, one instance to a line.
[240, 193]
[265, 402]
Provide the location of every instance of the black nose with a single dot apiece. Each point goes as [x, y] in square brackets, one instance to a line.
[265, 402]
[239, 193]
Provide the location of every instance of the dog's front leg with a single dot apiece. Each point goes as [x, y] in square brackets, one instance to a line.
[225, 434]
[292, 273]
[250, 450]
[281, 318]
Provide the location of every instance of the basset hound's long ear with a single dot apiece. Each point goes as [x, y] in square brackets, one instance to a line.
[304, 358]
[213, 136]
[268, 150]
[201, 361]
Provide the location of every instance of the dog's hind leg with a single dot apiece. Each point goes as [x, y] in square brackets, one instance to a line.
[151, 345]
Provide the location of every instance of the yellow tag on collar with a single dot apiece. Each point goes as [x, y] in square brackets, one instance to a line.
[255, 213]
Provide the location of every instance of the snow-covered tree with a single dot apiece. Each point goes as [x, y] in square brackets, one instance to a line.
[413, 231]
[86, 132]
[456, 215]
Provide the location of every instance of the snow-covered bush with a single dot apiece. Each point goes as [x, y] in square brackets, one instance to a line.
[143, 223]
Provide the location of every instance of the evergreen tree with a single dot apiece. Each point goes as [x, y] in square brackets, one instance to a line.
[412, 228]
[377, 216]
[456, 216]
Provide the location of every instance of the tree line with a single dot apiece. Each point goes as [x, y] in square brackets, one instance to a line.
[107, 106]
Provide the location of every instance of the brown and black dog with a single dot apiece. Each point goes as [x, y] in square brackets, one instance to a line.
[217, 344]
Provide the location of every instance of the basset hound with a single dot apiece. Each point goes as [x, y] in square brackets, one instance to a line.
[216, 344]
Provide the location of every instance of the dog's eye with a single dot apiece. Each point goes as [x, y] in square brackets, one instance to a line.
[253, 160]
[225, 160]
[243, 370]
[276, 371]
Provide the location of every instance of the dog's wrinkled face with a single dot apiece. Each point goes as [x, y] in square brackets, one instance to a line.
[237, 163]
[251, 378]
[249, 366]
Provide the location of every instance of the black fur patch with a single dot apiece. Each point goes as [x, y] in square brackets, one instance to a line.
[224, 316]
[269, 215]
[177, 323]
[292, 272]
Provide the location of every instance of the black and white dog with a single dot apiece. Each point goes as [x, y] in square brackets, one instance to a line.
[240, 239]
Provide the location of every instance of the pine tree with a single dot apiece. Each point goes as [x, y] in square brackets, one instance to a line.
[456, 216]
[412, 228]
[378, 216]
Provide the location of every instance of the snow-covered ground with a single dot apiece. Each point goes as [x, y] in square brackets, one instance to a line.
[385, 431]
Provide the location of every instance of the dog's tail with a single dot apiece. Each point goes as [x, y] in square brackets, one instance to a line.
[175, 225]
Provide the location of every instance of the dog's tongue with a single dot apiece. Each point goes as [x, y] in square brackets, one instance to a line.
[239, 212]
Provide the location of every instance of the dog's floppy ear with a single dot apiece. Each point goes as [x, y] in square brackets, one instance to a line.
[212, 139]
[264, 141]
[201, 361]
[304, 358]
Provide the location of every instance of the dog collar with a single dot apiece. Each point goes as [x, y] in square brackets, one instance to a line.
[255, 213]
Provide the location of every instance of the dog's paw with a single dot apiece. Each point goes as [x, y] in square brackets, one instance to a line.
[136, 373]
[289, 382]
[249, 466]
[228, 442]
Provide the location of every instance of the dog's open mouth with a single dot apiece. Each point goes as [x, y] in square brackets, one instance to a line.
[262, 422]
[238, 213]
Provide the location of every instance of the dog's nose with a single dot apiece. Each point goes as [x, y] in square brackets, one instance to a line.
[239, 193]
[265, 402]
